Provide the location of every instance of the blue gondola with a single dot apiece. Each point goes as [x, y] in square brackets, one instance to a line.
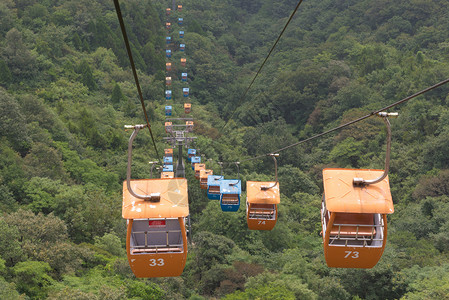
[167, 168]
[181, 34]
[195, 160]
[183, 76]
[190, 153]
[182, 47]
[168, 53]
[168, 110]
[168, 94]
[213, 186]
[230, 190]
[185, 92]
[168, 39]
[180, 21]
[168, 160]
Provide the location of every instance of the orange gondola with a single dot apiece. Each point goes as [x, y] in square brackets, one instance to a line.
[354, 213]
[262, 199]
[167, 175]
[197, 168]
[187, 108]
[168, 152]
[156, 240]
[261, 204]
[168, 127]
[189, 126]
[204, 174]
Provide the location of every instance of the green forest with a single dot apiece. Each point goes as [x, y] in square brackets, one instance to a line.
[67, 90]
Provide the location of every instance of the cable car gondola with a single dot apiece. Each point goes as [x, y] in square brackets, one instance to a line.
[167, 25]
[179, 7]
[168, 40]
[197, 167]
[183, 62]
[167, 175]
[190, 153]
[213, 187]
[195, 160]
[181, 34]
[182, 47]
[262, 199]
[168, 160]
[169, 128]
[168, 80]
[230, 190]
[185, 92]
[168, 53]
[168, 110]
[180, 21]
[204, 175]
[167, 168]
[189, 126]
[167, 94]
[354, 213]
[187, 108]
[156, 239]
[168, 152]
[168, 66]
[183, 76]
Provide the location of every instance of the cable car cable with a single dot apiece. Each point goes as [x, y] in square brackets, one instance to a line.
[263, 63]
[351, 122]
[133, 67]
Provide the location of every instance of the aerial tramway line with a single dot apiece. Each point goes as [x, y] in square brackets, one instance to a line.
[353, 211]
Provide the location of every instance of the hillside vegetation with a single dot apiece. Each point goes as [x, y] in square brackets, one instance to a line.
[66, 90]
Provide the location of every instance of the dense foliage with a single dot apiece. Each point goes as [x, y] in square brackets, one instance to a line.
[66, 90]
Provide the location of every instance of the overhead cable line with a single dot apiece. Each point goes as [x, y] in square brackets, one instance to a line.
[351, 122]
[263, 63]
[133, 67]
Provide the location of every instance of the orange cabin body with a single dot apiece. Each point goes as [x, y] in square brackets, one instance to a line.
[187, 108]
[354, 218]
[168, 66]
[153, 260]
[261, 205]
[168, 152]
[168, 128]
[183, 62]
[203, 178]
[167, 175]
[198, 168]
[189, 126]
[156, 239]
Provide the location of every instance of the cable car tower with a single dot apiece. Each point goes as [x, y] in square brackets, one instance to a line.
[178, 138]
